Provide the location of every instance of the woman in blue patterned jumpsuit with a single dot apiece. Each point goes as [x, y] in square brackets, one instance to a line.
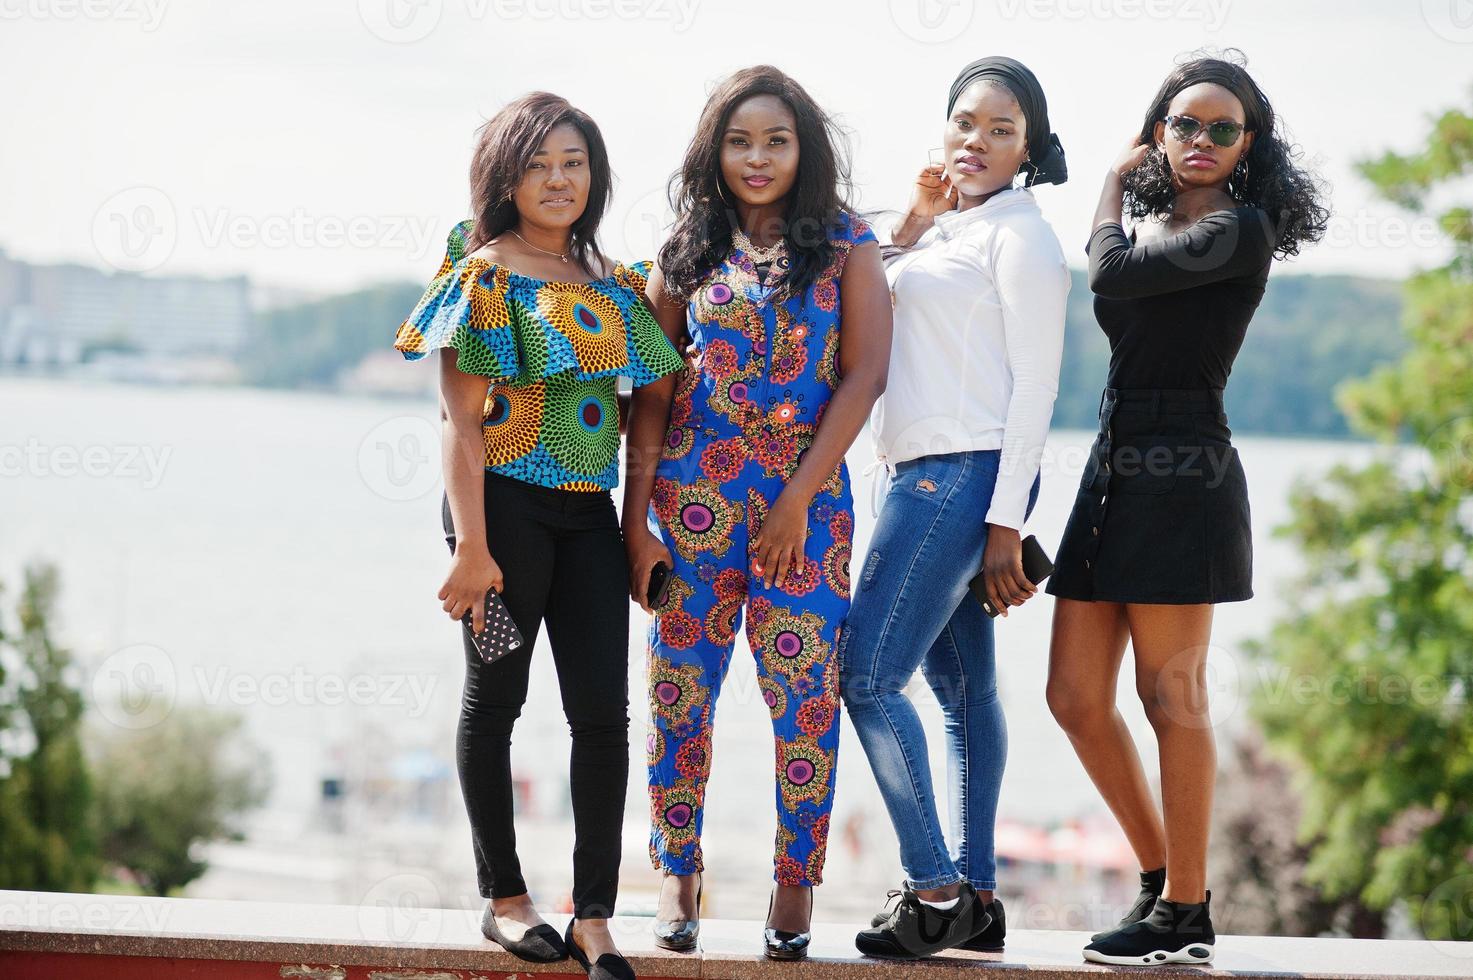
[749, 486]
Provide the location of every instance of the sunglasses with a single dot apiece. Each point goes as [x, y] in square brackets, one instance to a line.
[1186, 128]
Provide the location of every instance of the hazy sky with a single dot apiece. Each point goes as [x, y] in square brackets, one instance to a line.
[325, 144]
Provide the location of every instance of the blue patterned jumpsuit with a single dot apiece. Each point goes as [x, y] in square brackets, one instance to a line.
[744, 412]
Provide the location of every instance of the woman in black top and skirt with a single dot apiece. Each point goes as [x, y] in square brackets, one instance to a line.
[1160, 526]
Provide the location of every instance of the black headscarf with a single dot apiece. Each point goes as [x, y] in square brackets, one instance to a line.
[1045, 164]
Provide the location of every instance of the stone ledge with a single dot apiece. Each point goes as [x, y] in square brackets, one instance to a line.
[36, 927]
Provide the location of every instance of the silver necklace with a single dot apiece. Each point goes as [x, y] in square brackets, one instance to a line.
[561, 255]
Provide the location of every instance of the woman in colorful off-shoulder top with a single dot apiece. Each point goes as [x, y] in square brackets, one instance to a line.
[536, 326]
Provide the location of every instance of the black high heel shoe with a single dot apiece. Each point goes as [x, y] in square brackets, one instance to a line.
[779, 944]
[609, 966]
[681, 938]
[539, 944]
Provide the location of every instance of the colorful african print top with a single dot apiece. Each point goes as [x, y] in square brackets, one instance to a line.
[552, 351]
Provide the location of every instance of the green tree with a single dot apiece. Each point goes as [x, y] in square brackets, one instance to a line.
[167, 788]
[1372, 667]
[47, 839]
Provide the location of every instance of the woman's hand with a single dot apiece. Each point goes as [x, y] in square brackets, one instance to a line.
[1002, 567]
[644, 550]
[472, 572]
[933, 193]
[1129, 158]
[779, 544]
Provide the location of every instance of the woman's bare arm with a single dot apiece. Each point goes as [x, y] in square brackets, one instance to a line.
[463, 462]
[649, 415]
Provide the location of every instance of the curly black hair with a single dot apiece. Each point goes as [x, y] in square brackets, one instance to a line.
[704, 207]
[1274, 181]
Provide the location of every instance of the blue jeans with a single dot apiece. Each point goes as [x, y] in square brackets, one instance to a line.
[911, 608]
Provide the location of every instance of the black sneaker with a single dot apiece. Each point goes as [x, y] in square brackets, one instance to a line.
[1152, 884]
[1174, 932]
[914, 929]
[881, 917]
[989, 940]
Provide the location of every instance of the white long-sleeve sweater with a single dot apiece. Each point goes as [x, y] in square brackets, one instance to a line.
[979, 333]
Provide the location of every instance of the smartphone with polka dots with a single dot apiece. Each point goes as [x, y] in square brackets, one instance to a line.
[500, 635]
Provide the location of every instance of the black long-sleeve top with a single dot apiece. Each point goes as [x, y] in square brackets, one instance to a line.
[1176, 310]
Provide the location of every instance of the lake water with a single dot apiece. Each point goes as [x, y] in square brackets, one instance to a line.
[278, 554]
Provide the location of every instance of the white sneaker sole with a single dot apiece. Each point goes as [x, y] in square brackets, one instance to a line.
[1190, 953]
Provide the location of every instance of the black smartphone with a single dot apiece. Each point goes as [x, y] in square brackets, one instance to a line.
[499, 636]
[659, 590]
[1036, 567]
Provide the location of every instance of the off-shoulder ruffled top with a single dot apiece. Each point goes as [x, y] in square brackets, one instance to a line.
[551, 351]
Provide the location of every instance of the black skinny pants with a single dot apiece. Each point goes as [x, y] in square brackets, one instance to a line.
[562, 556]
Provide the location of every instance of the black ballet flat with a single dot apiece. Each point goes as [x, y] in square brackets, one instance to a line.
[779, 944]
[610, 966]
[540, 944]
[681, 938]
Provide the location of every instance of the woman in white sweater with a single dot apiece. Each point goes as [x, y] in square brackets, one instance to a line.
[979, 288]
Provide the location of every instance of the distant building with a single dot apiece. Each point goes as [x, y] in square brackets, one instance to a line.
[57, 315]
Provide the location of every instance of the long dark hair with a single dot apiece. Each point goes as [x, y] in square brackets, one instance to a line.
[504, 147]
[1267, 176]
[705, 208]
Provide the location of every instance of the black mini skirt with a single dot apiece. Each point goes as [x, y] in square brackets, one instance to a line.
[1162, 509]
